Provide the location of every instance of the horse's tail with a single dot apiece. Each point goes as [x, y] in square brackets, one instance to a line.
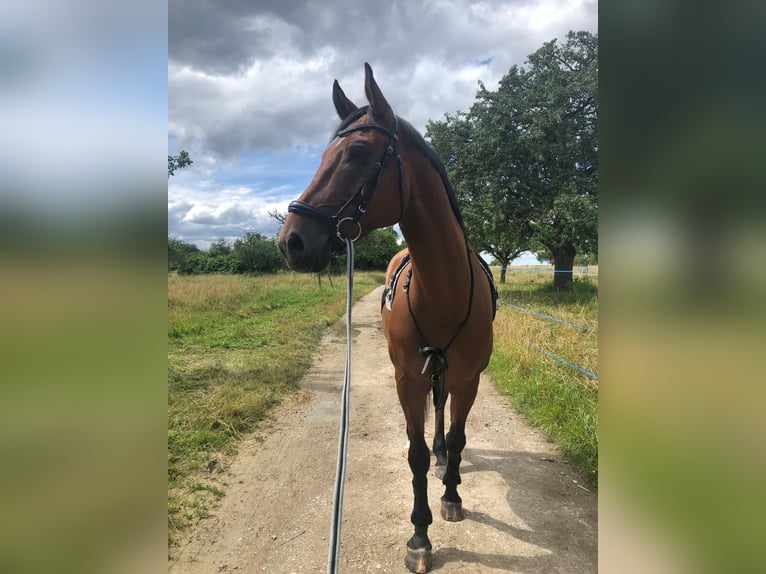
[435, 394]
[439, 393]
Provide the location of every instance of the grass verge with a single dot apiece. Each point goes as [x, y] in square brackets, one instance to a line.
[550, 395]
[237, 345]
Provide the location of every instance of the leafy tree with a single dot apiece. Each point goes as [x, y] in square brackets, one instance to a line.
[255, 253]
[202, 262]
[220, 248]
[563, 112]
[178, 251]
[176, 162]
[375, 251]
[524, 160]
[195, 264]
[252, 254]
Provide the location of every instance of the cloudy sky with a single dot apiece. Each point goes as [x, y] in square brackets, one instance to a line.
[250, 86]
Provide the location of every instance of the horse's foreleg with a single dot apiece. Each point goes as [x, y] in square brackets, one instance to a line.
[419, 546]
[418, 557]
[451, 503]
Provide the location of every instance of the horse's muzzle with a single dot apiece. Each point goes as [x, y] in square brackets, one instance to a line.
[306, 248]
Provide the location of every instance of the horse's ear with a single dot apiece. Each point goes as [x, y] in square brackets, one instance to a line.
[343, 105]
[380, 108]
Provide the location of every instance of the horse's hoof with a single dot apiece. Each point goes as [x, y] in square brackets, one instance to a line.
[418, 560]
[452, 511]
[440, 471]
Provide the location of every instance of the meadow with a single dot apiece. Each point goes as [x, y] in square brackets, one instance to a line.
[238, 345]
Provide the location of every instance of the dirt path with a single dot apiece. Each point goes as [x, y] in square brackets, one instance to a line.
[524, 511]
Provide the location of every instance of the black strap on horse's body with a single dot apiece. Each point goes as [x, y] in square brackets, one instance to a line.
[364, 193]
[435, 354]
[437, 357]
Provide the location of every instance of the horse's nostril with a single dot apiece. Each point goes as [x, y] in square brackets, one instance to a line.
[294, 243]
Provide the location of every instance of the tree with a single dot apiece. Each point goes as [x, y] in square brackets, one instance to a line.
[256, 254]
[524, 160]
[562, 103]
[220, 248]
[178, 251]
[220, 258]
[178, 162]
[375, 251]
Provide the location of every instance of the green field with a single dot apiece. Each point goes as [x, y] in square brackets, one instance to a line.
[237, 345]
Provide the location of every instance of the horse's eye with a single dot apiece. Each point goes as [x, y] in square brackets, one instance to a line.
[358, 153]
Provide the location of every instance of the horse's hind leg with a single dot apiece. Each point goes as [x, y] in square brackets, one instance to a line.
[440, 443]
[460, 405]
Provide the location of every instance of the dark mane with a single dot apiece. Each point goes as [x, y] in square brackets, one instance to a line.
[424, 147]
[429, 152]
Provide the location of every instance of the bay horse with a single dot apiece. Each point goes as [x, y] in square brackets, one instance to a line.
[439, 302]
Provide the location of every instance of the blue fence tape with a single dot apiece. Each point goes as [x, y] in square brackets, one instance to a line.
[548, 353]
[526, 270]
[544, 316]
[560, 360]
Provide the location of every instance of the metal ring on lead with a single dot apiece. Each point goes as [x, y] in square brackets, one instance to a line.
[342, 221]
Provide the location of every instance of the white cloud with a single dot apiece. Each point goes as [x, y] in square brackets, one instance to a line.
[263, 108]
[278, 94]
[202, 217]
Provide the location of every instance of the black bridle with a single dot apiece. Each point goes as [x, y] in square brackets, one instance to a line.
[365, 192]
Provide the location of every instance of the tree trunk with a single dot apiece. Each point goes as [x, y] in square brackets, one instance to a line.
[503, 269]
[563, 261]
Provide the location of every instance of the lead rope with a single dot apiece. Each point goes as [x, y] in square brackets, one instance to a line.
[340, 472]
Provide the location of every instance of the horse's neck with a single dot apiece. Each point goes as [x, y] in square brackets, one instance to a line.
[434, 238]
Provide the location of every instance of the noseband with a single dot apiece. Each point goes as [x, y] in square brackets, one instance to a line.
[365, 192]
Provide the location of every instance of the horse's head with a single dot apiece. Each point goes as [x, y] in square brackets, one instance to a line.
[357, 187]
